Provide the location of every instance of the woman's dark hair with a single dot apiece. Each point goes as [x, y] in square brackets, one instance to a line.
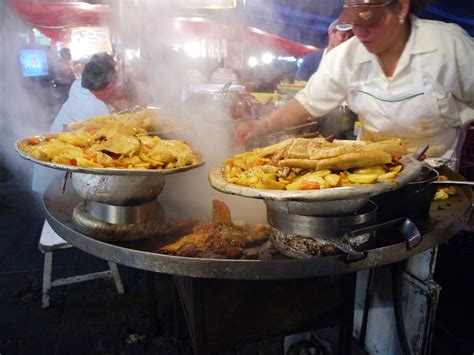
[99, 72]
[415, 5]
[65, 53]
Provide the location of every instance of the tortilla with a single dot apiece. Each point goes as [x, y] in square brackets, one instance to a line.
[271, 149]
[334, 151]
[301, 147]
[394, 147]
[299, 163]
[360, 159]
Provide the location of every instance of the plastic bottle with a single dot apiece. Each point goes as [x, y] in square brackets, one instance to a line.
[357, 126]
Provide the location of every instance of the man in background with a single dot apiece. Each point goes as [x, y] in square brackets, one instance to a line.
[89, 96]
[337, 34]
[63, 75]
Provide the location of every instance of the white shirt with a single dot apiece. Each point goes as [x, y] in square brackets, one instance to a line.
[445, 52]
[81, 104]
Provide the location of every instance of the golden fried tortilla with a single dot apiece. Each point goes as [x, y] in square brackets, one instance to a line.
[394, 147]
[299, 163]
[333, 151]
[360, 159]
[271, 149]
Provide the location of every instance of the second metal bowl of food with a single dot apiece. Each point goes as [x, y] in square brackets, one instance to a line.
[325, 202]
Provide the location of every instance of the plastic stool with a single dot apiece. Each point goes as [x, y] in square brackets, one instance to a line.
[50, 242]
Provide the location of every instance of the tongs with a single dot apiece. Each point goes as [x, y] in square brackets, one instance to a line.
[453, 182]
[225, 88]
[132, 109]
[420, 152]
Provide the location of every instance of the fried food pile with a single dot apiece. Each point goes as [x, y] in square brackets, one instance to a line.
[219, 239]
[443, 193]
[149, 120]
[112, 142]
[312, 164]
[140, 119]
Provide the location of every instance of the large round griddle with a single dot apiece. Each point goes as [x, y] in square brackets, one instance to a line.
[333, 201]
[20, 144]
[447, 218]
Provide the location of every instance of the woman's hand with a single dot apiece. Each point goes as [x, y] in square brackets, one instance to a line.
[248, 130]
[290, 114]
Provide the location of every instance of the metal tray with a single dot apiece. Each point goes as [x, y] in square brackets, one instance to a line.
[411, 169]
[20, 144]
[446, 219]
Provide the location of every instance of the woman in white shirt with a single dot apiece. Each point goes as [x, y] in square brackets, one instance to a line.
[404, 77]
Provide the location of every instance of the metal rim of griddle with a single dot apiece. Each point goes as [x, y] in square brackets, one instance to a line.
[98, 171]
[59, 206]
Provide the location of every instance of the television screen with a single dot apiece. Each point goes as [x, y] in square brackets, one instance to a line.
[34, 62]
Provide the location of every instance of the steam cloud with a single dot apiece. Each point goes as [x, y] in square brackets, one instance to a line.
[23, 111]
[146, 28]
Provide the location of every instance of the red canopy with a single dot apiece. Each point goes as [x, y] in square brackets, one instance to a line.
[278, 43]
[51, 18]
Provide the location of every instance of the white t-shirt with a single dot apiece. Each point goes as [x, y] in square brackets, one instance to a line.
[446, 54]
[81, 104]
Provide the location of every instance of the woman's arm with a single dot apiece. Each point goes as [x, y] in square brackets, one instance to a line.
[291, 114]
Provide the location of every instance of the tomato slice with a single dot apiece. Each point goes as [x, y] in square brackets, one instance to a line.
[34, 141]
[310, 185]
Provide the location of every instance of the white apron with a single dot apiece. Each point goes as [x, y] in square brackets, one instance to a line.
[413, 116]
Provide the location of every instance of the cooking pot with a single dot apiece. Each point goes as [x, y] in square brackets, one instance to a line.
[118, 190]
[412, 200]
[213, 97]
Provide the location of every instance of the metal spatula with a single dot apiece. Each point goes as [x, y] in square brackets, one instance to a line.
[420, 151]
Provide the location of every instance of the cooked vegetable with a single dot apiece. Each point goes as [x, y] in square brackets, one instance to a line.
[106, 143]
[306, 164]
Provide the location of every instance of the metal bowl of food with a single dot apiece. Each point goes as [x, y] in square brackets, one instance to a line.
[125, 185]
[117, 189]
[337, 200]
[21, 148]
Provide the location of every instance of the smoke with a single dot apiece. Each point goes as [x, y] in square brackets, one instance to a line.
[23, 108]
[148, 36]
[189, 194]
[153, 30]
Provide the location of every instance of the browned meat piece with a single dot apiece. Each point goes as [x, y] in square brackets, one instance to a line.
[188, 249]
[221, 238]
[220, 212]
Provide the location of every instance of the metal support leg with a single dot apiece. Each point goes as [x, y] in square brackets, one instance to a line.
[345, 332]
[116, 276]
[152, 304]
[47, 270]
[190, 298]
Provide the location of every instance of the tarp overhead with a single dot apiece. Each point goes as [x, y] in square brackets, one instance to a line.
[306, 21]
[303, 21]
[52, 17]
[300, 21]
